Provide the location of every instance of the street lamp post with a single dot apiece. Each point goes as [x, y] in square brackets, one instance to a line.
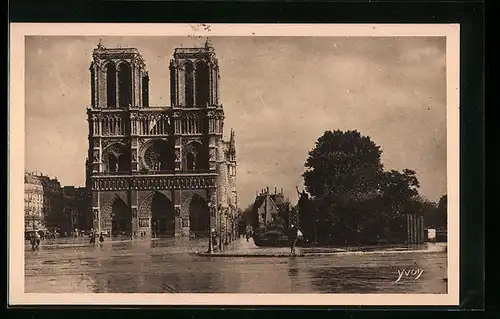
[226, 233]
[219, 213]
[211, 231]
[231, 222]
[234, 228]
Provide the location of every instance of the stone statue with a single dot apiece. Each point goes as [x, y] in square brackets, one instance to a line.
[304, 200]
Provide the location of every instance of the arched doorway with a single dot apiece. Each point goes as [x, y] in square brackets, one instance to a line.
[199, 216]
[162, 215]
[121, 219]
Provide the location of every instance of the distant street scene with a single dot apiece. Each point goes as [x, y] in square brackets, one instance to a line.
[235, 165]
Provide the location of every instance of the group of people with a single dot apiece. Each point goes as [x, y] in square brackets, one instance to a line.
[93, 236]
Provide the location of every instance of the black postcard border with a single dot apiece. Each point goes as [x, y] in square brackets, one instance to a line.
[470, 16]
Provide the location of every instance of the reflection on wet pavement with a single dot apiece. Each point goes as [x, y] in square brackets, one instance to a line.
[166, 265]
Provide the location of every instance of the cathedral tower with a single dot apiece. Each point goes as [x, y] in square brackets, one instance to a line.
[118, 78]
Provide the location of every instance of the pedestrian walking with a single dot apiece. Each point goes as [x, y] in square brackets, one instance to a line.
[293, 235]
[36, 240]
[92, 237]
[101, 238]
[214, 240]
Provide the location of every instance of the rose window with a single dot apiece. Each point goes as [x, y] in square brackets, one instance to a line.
[157, 157]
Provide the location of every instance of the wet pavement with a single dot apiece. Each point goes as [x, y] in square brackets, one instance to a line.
[172, 265]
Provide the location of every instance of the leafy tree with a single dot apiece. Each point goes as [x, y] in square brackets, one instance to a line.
[354, 199]
[399, 192]
[246, 215]
[429, 211]
[294, 215]
[345, 164]
[398, 187]
[240, 217]
[442, 212]
[341, 172]
[284, 213]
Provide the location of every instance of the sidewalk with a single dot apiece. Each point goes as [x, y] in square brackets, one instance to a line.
[242, 248]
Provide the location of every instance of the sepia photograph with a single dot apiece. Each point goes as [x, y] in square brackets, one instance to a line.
[195, 160]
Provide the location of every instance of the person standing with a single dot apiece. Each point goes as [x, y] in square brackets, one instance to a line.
[92, 237]
[101, 238]
[293, 235]
[37, 240]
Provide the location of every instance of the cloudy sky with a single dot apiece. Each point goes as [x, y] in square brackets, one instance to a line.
[279, 94]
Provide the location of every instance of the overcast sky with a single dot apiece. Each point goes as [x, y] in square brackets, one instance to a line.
[279, 94]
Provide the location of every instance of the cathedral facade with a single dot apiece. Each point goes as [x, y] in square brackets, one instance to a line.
[162, 170]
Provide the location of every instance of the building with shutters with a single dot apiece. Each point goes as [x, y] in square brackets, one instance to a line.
[42, 201]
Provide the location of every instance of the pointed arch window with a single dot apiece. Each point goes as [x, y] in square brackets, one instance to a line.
[189, 84]
[202, 84]
[191, 161]
[145, 91]
[173, 82]
[117, 159]
[196, 157]
[92, 84]
[111, 84]
[113, 163]
[125, 84]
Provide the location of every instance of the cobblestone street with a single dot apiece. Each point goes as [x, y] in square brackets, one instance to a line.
[171, 265]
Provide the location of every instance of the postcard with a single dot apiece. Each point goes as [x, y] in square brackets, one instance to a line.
[248, 164]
